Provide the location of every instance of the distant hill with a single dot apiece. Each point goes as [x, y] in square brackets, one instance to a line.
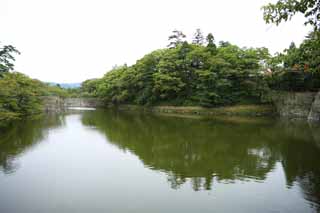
[66, 85]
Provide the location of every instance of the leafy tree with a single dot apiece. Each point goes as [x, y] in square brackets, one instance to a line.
[292, 57]
[210, 44]
[187, 74]
[145, 81]
[19, 96]
[176, 38]
[54, 90]
[170, 73]
[118, 85]
[284, 10]
[224, 43]
[310, 52]
[6, 58]
[198, 38]
[298, 68]
[305, 57]
[89, 87]
[167, 85]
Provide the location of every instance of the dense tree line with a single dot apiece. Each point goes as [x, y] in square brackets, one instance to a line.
[206, 74]
[197, 73]
[201, 72]
[298, 68]
[20, 95]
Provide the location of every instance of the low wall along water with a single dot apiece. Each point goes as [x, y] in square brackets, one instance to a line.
[291, 105]
[298, 105]
[57, 104]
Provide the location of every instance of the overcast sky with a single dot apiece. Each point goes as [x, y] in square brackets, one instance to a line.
[74, 40]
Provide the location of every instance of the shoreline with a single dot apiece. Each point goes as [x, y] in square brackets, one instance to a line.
[250, 110]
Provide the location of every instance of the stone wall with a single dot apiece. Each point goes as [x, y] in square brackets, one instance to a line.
[53, 104]
[57, 104]
[82, 102]
[291, 105]
[314, 114]
[298, 105]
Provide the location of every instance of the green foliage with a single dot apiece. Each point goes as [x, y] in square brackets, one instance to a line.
[22, 96]
[300, 70]
[284, 10]
[306, 57]
[115, 85]
[6, 58]
[19, 96]
[73, 92]
[89, 88]
[144, 80]
[198, 37]
[176, 38]
[186, 74]
[210, 44]
[294, 81]
[50, 90]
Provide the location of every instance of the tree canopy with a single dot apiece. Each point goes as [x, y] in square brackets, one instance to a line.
[284, 10]
[6, 58]
[196, 73]
[298, 68]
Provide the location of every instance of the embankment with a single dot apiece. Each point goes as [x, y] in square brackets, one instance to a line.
[298, 105]
[57, 104]
[289, 105]
[239, 110]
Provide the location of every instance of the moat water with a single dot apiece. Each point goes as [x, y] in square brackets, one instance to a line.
[111, 161]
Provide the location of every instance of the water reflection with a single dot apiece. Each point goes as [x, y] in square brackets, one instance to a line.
[22, 136]
[300, 156]
[203, 151]
[200, 152]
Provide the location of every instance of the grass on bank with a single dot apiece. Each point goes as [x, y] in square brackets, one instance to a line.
[237, 110]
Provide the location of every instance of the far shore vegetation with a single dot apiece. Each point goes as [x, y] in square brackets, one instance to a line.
[197, 72]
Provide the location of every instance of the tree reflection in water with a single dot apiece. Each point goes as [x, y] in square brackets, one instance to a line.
[199, 151]
[22, 136]
[204, 150]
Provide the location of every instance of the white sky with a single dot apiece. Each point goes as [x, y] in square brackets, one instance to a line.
[73, 40]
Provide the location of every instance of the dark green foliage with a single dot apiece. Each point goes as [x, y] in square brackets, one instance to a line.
[187, 74]
[212, 48]
[198, 37]
[294, 81]
[6, 58]
[298, 69]
[88, 88]
[145, 81]
[19, 96]
[284, 10]
[306, 57]
[176, 38]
